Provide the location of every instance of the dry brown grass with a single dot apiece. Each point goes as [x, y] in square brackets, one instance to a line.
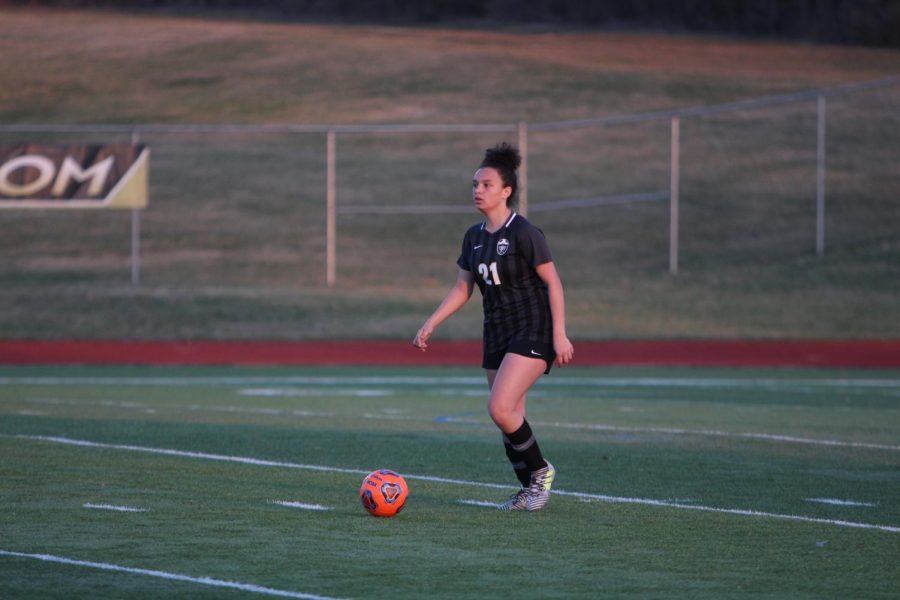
[233, 243]
[164, 68]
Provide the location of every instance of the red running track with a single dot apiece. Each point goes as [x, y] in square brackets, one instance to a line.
[694, 353]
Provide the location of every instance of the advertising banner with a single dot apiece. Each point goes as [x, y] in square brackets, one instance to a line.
[74, 176]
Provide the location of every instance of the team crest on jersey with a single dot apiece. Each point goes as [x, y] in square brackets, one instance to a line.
[502, 246]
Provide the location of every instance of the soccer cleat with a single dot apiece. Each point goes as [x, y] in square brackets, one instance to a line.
[518, 501]
[537, 494]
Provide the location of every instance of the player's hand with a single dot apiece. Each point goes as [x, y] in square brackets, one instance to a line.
[422, 337]
[565, 352]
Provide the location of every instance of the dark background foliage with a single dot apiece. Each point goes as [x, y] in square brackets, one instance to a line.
[868, 22]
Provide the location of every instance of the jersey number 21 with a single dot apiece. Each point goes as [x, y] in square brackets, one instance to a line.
[489, 273]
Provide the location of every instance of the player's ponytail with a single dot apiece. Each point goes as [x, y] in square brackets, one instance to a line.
[506, 159]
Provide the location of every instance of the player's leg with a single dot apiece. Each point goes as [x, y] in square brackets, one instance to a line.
[519, 406]
[510, 384]
[516, 459]
[506, 406]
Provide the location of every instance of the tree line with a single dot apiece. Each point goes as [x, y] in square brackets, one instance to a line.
[867, 22]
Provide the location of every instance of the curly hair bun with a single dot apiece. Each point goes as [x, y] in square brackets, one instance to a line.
[502, 156]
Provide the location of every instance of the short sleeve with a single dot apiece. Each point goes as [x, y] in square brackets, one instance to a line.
[534, 247]
[463, 260]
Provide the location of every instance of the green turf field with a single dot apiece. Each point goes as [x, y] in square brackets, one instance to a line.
[671, 483]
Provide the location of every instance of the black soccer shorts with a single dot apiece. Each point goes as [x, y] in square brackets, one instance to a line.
[523, 347]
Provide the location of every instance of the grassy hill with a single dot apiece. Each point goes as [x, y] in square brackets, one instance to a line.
[233, 242]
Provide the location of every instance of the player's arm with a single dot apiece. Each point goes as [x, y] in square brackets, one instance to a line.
[561, 344]
[456, 298]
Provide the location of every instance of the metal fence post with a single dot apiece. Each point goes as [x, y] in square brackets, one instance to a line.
[820, 176]
[673, 195]
[135, 232]
[523, 168]
[330, 217]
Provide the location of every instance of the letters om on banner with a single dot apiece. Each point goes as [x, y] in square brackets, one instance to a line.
[74, 176]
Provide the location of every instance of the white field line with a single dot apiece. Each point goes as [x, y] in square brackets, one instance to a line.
[244, 587]
[128, 509]
[327, 469]
[480, 503]
[732, 434]
[296, 412]
[727, 511]
[311, 391]
[296, 392]
[836, 502]
[806, 384]
[772, 437]
[302, 505]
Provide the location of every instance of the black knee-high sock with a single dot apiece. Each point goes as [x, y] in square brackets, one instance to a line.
[523, 473]
[522, 442]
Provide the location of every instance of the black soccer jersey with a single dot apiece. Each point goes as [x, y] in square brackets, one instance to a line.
[515, 299]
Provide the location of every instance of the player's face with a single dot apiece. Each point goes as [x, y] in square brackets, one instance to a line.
[488, 190]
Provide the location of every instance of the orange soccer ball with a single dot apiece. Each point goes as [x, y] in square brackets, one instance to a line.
[383, 493]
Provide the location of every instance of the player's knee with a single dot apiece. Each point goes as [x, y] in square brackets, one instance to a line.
[502, 413]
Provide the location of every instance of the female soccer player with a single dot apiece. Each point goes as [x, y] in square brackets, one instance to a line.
[524, 315]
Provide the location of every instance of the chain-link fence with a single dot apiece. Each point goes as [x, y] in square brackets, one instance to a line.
[283, 206]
